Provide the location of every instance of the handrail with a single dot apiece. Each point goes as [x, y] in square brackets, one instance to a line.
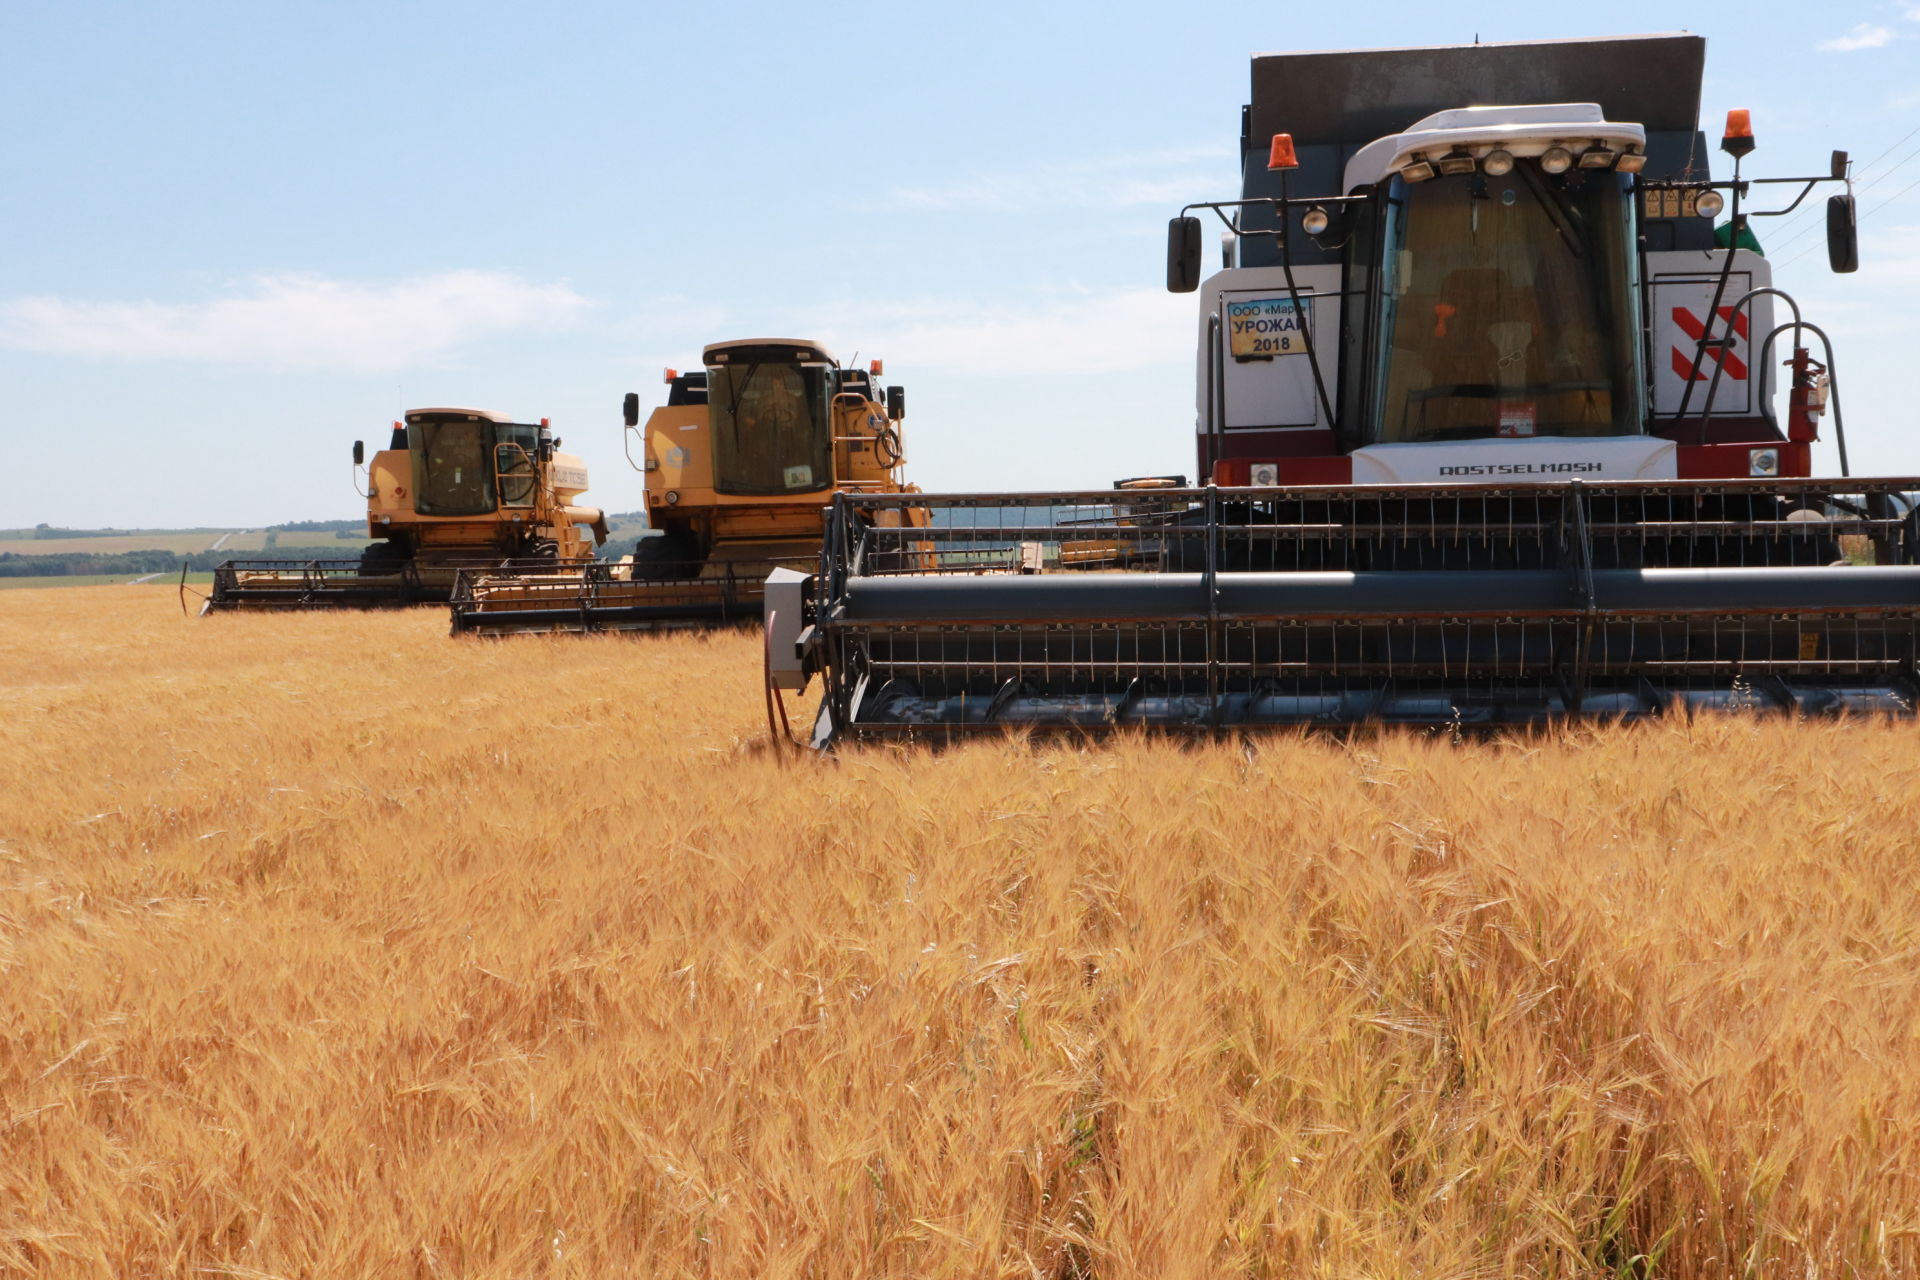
[1833, 379]
[1719, 366]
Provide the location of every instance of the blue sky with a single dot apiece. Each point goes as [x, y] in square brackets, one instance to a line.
[240, 236]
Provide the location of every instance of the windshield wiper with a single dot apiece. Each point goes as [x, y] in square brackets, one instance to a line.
[739, 392]
[1562, 214]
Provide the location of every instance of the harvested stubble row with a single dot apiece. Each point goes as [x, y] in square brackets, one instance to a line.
[331, 947]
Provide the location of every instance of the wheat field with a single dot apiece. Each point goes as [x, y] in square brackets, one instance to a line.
[330, 946]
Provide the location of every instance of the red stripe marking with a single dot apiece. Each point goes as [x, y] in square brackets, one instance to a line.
[1683, 365]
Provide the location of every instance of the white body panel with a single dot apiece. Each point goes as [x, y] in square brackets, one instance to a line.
[1516, 461]
[1270, 384]
[1680, 288]
[782, 611]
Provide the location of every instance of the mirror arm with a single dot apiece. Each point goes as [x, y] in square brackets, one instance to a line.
[1225, 221]
[1774, 213]
[626, 447]
[1279, 205]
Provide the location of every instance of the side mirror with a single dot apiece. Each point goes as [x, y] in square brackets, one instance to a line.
[1183, 255]
[359, 452]
[630, 409]
[1837, 166]
[896, 403]
[1843, 235]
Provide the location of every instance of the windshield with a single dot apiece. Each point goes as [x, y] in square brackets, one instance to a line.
[1504, 305]
[771, 432]
[452, 467]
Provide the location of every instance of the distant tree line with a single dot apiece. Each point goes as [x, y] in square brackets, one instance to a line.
[354, 528]
[46, 532]
[615, 548]
[58, 564]
[338, 528]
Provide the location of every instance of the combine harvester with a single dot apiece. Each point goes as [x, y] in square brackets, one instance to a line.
[739, 464]
[1487, 408]
[455, 488]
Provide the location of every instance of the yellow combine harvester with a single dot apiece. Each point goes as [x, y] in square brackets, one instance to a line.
[455, 489]
[739, 464]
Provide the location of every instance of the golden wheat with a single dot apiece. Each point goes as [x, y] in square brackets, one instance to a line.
[330, 946]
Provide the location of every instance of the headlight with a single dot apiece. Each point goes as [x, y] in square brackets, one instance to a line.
[1498, 163]
[1763, 462]
[1709, 204]
[1314, 221]
[1556, 160]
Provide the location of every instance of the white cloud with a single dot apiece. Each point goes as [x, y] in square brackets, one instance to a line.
[1150, 177]
[1086, 334]
[297, 321]
[1863, 36]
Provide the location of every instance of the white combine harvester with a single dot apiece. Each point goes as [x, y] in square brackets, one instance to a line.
[1488, 425]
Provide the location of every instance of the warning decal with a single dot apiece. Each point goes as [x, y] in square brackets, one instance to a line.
[1262, 328]
[1516, 418]
[1689, 323]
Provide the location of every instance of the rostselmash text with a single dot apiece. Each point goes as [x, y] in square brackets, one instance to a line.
[1522, 469]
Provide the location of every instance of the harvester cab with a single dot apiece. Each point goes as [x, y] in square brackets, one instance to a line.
[777, 429]
[456, 488]
[1487, 417]
[739, 463]
[1437, 292]
[466, 481]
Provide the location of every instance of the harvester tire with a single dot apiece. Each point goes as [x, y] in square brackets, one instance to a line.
[671, 557]
[383, 558]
